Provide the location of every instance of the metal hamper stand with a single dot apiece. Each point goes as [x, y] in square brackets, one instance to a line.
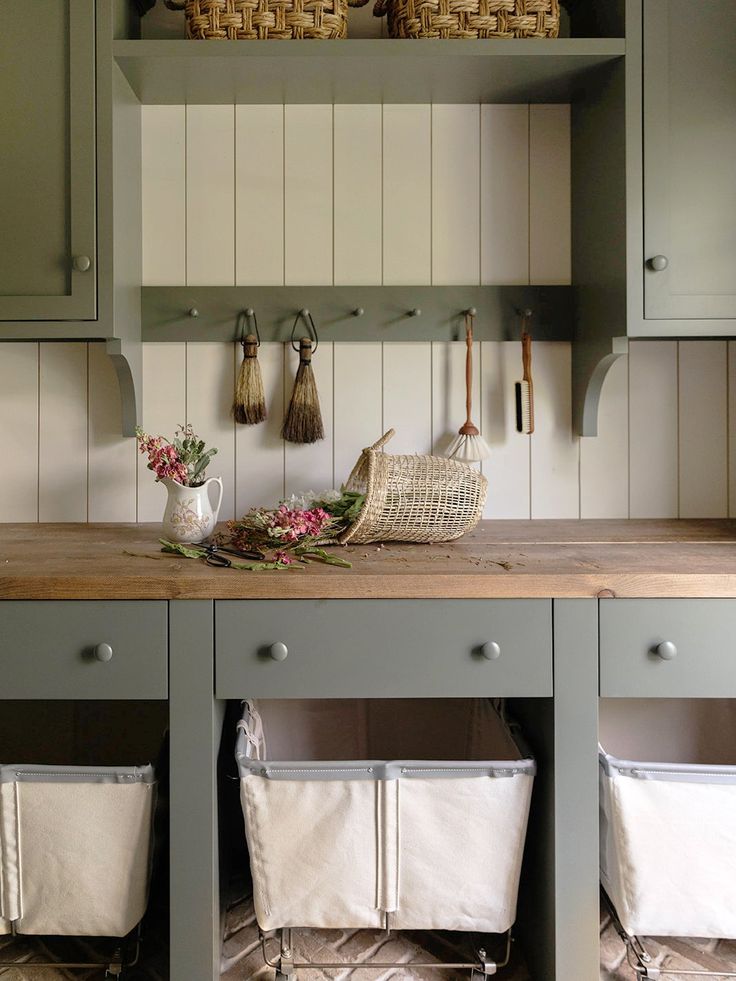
[640, 960]
[286, 967]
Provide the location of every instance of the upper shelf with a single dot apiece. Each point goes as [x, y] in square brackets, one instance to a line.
[360, 71]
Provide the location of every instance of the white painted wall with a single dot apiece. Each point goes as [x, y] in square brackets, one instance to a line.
[365, 194]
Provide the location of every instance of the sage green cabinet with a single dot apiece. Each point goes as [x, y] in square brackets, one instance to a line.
[48, 262]
[689, 151]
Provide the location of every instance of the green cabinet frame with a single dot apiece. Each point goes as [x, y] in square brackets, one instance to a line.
[48, 57]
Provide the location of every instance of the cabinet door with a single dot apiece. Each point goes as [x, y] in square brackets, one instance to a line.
[689, 154]
[47, 160]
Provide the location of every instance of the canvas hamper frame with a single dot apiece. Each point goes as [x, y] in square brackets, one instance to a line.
[668, 828]
[344, 833]
[75, 852]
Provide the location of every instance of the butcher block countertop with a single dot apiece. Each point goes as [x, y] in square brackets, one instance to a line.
[499, 559]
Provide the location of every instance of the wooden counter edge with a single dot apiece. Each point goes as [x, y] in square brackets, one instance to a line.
[449, 586]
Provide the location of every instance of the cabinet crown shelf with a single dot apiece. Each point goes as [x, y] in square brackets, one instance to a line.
[361, 70]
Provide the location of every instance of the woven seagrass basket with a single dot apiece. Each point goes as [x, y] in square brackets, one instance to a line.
[470, 18]
[413, 498]
[251, 20]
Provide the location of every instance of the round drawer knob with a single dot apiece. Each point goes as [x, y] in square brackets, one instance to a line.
[491, 651]
[103, 652]
[666, 650]
[81, 263]
[278, 651]
[658, 262]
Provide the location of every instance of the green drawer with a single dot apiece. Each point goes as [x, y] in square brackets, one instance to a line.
[382, 648]
[668, 648]
[84, 649]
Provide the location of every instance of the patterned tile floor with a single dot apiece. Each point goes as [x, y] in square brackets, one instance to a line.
[243, 962]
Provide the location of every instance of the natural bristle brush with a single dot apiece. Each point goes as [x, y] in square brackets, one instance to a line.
[249, 403]
[525, 387]
[468, 446]
[303, 422]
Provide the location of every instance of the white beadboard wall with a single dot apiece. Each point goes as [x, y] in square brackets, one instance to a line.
[366, 194]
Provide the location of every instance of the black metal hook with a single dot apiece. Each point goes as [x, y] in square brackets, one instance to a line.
[306, 316]
[244, 317]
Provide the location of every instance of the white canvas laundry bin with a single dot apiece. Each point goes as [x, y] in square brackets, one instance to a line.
[75, 849]
[406, 813]
[668, 815]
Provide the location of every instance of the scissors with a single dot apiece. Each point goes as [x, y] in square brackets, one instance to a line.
[215, 556]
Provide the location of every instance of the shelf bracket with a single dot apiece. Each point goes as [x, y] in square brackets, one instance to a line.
[592, 361]
[127, 360]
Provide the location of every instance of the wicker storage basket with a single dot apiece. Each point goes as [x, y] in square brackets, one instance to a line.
[250, 20]
[470, 18]
[413, 498]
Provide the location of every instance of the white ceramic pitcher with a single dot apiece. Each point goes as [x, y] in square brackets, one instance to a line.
[190, 515]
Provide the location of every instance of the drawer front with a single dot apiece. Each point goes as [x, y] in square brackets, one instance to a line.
[382, 648]
[696, 636]
[56, 649]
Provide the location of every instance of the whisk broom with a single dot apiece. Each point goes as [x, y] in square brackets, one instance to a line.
[303, 421]
[249, 402]
[468, 446]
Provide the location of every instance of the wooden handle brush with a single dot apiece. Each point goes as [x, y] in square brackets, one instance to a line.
[525, 388]
[468, 446]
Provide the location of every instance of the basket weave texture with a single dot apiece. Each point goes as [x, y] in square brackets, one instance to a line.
[413, 498]
[470, 18]
[241, 20]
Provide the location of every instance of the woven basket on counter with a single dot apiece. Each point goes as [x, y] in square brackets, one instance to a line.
[470, 18]
[413, 498]
[250, 20]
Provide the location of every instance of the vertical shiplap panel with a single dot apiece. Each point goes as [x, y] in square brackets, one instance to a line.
[407, 396]
[555, 450]
[504, 188]
[703, 441]
[732, 428]
[163, 132]
[164, 408]
[653, 429]
[308, 195]
[259, 195]
[549, 195]
[259, 450]
[112, 458]
[455, 194]
[62, 474]
[209, 396]
[604, 459]
[310, 467]
[407, 195]
[358, 403]
[448, 391]
[210, 195]
[357, 198]
[508, 467]
[19, 431]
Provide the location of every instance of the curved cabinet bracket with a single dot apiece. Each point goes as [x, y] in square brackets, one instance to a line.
[591, 363]
[127, 360]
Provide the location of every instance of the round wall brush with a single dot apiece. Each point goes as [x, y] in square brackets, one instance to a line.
[468, 446]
